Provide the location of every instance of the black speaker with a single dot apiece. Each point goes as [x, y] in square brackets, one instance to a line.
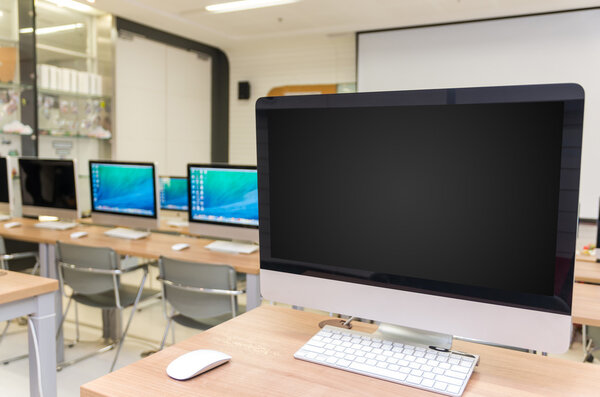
[243, 90]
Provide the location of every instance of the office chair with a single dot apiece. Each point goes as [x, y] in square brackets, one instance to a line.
[17, 261]
[94, 275]
[591, 342]
[200, 295]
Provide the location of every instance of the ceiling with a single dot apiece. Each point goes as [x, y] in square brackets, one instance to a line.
[188, 17]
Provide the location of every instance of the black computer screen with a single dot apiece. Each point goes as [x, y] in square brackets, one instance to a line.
[458, 199]
[48, 183]
[3, 181]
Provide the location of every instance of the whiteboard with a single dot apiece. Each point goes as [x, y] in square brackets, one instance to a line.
[552, 48]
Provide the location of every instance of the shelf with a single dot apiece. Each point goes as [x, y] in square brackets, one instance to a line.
[13, 133]
[68, 134]
[47, 91]
[13, 86]
[63, 51]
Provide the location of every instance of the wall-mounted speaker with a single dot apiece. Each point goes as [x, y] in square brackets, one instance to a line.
[243, 90]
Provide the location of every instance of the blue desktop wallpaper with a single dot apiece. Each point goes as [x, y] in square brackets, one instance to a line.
[124, 189]
[173, 194]
[225, 195]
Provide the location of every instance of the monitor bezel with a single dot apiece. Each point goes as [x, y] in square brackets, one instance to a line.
[281, 275]
[160, 189]
[40, 210]
[207, 222]
[135, 216]
[6, 206]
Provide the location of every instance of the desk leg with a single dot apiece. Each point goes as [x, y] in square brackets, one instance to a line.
[253, 298]
[49, 269]
[44, 322]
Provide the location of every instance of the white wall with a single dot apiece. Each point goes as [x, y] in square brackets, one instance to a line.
[290, 61]
[555, 48]
[162, 105]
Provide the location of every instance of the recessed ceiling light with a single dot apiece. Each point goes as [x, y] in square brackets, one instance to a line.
[245, 5]
[1, 13]
[73, 5]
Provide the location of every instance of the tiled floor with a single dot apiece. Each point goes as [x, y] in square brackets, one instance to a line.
[145, 333]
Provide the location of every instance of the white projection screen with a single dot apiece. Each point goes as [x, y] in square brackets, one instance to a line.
[559, 47]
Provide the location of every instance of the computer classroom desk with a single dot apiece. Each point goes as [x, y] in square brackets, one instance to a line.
[151, 247]
[262, 343]
[22, 295]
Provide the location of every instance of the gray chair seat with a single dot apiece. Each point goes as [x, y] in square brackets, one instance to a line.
[106, 300]
[205, 323]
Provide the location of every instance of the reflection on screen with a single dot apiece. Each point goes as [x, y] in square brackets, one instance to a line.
[173, 194]
[224, 195]
[48, 183]
[123, 188]
[4, 181]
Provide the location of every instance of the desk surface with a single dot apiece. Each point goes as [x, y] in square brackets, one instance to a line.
[262, 343]
[151, 247]
[16, 286]
[587, 270]
[586, 304]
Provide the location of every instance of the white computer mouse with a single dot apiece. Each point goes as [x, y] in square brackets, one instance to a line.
[195, 362]
[10, 225]
[180, 246]
[78, 234]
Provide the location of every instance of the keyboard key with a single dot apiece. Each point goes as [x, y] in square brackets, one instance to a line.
[420, 349]
[453, 361]
[421, 360]
[388, 353]
[447, 379]
[343, 363]
[346, 339]
[373, 355]
[339, 355]
[366, 348]
[421, 354]
[438, 371]
[440, 386]
[426, 368]
[405, 370]
[355, 340]
[453, 389]
[454, 374]
[350, 351]
[414, 379]
[313, 349]
[428, 375]
[360, 353]
[399, 356]
[380, 357]
[382, 364]
[433, 363]
[387, 347]
[467, 364]
[346, 344]
[392, 360]
[377, 351]
[378, 371]
[441, 359]
[311, 355]
[416, 372]
[404, 363]
[445, 366]
[356, 346]
[430, 356]
[414, 365]
[427, 383]
[333, 360]
[397, 349]
[321, 357]
[350, 357]
[393, 367]
[371, 362]
[336, 342]
[360, 359]
[411, 358]
[376, 344]
[458, 368]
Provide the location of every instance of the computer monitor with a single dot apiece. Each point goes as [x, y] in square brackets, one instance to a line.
[223, 201]
[5, 186]
[448, 210]
[124, 194]
[49, 188]
[173, 193]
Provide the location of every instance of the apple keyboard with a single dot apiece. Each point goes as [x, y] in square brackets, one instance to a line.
[129, 234]
[56, 225]
[232, 247]
[434, 369]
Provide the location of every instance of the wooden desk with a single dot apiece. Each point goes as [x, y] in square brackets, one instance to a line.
[587, 270]
[262, 343]
[152, 247]
[586, 304]
[22, 295]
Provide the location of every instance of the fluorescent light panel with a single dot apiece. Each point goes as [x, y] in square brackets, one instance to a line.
[73, 5]
[53, 29]
[245, 5]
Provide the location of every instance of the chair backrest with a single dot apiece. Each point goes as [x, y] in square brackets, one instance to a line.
[195, 304]
[79, 259]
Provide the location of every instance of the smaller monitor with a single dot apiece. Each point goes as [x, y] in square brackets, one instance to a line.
[124, 194]
[223, 201]
[5, 187]
[48, 187]
[173, 193]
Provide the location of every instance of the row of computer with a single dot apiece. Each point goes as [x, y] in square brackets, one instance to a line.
[221, 200]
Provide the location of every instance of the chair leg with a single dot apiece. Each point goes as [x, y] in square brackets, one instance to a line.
[62, 320]
[36, 267]
[133, 309]
[162, 343]
[5, 329]
[76, 322]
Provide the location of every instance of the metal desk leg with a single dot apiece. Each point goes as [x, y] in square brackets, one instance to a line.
[45, 334]
[112, 326]
[49, 269]
[253, 298]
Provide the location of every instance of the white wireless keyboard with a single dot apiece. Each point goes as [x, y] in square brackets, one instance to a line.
[56, 225]
[130, 234]
[232, 247]
[437, 370]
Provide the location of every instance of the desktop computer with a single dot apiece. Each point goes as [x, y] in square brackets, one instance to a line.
[452, 211]
[49, 188]
[174, 200]
[224, 204]
[5, 189]
[124, 194]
